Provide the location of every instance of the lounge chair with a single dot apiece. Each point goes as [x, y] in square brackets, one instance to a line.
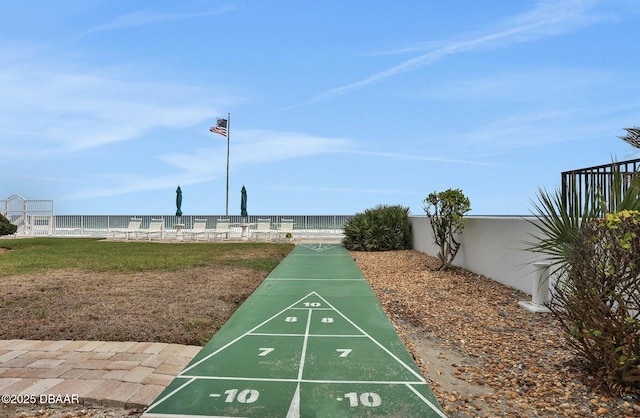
[132, 228]
[263, 228]
[286, 227]
[199, 228]
[156, 226]
[222, 228]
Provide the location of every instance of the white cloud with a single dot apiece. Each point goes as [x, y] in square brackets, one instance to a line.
[250, 148]
[414, 157]
[144, 18]
[122, 184]
[258, 147]
[538, 85]
[541, 127]
[547, 18]
[68, 111]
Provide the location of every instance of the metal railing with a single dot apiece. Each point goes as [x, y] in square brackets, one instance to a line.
[585, 184]
[305, 226]
[30, 216]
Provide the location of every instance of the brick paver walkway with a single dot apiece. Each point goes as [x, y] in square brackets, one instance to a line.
[122, 374]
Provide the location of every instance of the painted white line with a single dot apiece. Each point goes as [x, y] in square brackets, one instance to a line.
[427, 401]
[359, 382]
[317, 309]
[294, 408]
[264, 334]
[171, 393]
[338, 335]
[304, 344]
[319, 248]
[320, 381]
[306, 336]
[207, 357]
[406, 366]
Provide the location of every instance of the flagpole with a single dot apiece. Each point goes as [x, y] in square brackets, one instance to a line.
[228, 130]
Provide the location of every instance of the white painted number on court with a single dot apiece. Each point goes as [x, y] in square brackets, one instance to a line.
[327, 320]
[370, 399]
[265, 351]
[344, 352]
[244, 396]
[291, 319]
[312, 304]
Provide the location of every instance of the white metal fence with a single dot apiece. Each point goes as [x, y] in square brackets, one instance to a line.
[305, 226]
[32, 217]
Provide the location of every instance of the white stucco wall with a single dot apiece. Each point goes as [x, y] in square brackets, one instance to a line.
[492, 246]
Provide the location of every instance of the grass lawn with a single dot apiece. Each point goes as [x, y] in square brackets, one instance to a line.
[84, 288]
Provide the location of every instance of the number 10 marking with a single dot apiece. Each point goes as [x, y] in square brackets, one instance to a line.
[370, 399]
[245, 396]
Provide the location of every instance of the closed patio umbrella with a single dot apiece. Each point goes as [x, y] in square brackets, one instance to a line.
[243, 203]
[179, 201]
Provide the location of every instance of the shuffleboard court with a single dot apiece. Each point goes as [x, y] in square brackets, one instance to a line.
[311, 341]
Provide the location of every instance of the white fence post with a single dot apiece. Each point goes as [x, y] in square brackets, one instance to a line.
[540, 291]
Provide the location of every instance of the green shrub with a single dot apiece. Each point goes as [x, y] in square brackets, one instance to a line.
[447, 219]
[6, 227]
[383, 228]
[597, 301]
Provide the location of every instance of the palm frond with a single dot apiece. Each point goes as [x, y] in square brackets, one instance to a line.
[557, 224]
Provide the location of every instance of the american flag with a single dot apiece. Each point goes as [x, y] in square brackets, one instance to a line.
[220, 128]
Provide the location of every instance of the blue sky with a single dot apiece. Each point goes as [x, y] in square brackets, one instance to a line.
[336, 107]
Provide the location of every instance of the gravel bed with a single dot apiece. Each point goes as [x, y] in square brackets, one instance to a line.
[483, 354]
[72, 411]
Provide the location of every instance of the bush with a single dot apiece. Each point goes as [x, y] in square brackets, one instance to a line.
[597, 301]
[383, 228]
[6, 227]
[447, 220]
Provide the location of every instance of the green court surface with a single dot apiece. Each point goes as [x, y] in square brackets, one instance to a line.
[311, 341]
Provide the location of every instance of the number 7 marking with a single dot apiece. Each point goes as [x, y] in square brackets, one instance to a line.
[265, 351]
[344, 351]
